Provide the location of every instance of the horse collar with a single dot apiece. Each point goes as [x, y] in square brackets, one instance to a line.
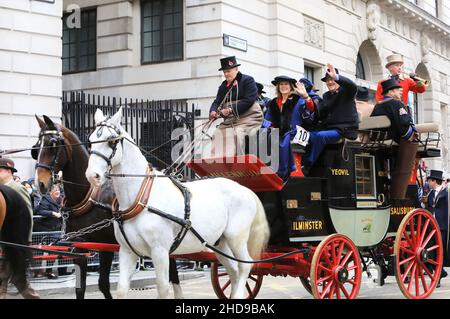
[140, 201]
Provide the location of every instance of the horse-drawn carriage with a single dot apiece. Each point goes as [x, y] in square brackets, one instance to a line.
[341, 218]
[326, 229]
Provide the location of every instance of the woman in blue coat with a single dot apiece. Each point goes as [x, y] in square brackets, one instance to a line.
[284, 113]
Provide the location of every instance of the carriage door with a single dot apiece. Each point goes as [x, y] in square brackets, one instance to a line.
[365, 179]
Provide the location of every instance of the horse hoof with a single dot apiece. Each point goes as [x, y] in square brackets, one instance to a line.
[30, 293]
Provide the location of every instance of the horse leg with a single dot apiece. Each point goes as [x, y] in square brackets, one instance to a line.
[160, 258]
[240, 251]
[17, 273]
[20, 280]
[127, 264]
[230, 265]
[4, 279]
[174, 279]
[82, 263]
[106, 259]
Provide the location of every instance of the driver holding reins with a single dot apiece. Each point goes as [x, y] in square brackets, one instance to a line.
[236, 103]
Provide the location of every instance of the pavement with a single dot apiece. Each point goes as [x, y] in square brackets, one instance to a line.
[64, 285]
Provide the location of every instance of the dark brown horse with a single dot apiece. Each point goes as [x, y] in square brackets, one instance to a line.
[15, 226]
[63, 152]
[60, 154]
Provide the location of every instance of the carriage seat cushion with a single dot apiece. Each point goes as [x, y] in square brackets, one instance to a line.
[427, 127]
[374, 122]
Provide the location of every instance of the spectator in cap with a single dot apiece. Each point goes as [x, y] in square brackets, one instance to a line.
[7, 169]
[263, 101]
[363, 105]
[236, 103]
[437, 204]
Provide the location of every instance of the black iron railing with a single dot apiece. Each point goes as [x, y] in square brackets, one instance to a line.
[150, 123]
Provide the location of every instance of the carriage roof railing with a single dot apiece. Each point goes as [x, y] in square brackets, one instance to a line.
[373, 134]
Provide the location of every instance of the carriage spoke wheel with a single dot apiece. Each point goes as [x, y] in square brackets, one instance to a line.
[418, 254]
[222, 284]
[336, 269]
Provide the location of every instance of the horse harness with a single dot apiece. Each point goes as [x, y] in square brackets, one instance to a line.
[112, 142]
[56, 138]
[85, 205]
[140, 202]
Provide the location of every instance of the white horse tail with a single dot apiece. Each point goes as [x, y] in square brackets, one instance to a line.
[259, 231]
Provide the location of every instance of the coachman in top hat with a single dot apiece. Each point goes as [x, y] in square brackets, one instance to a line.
[236, 103]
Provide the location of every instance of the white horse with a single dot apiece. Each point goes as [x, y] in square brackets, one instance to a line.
[222, 212]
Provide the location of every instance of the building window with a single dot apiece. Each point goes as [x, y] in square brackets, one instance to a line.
[360, 72]
[365, 176]
[309, 73]
[80, 44]
[161, 30]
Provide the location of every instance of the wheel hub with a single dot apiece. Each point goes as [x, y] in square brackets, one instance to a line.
[424, 256]
[341, 274]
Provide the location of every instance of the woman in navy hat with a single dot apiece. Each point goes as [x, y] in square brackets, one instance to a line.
[283, 113]
[263, 101]
[236, 104]
[309, 111]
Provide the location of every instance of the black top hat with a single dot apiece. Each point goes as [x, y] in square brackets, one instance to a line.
[8, 164]
[260, 88]
[362, 94]
[324, 79]
[228, 63]
[435, 174]
[283, 78]
[389, 85]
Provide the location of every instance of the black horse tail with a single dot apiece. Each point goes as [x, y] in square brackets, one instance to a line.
[16, 229]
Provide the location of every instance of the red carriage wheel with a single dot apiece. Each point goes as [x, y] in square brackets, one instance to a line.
[336, 269]
[222, 284]
[418, 254]
[306, 283]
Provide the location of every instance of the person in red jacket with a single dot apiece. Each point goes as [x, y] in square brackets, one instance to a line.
[394, 65]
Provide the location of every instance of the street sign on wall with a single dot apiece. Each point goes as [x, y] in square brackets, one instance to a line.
[235, 43]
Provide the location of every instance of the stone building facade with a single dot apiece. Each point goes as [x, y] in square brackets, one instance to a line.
[170, 49]
[269, 38]
[30, 72]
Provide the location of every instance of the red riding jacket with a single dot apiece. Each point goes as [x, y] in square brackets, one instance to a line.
[407, 85]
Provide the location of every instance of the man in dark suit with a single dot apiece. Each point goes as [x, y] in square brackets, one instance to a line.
[236, 103]
[402, 125]
[337, 115]
[437, 204]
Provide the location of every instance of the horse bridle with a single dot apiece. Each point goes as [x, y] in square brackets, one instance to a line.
[112, 142]
[57, 141]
